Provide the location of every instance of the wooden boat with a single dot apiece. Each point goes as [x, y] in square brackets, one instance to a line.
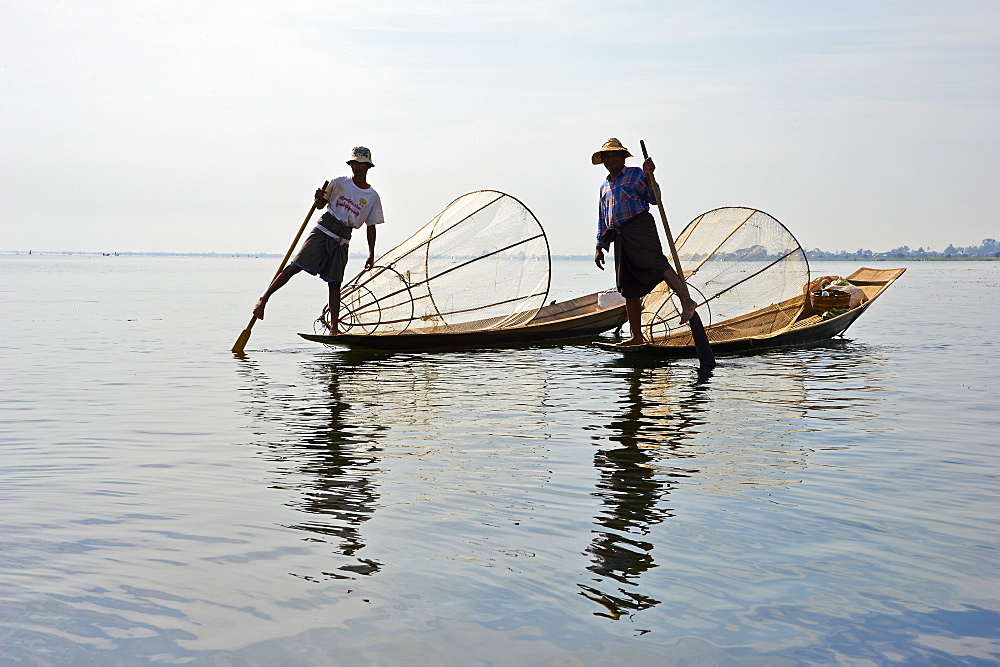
[577, 318]
[808, 326]
[476, 275]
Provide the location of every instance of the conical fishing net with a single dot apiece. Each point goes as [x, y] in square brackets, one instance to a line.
[746, 271]
[482, 263]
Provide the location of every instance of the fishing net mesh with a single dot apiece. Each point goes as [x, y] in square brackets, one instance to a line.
[482, 263]
[745, 270]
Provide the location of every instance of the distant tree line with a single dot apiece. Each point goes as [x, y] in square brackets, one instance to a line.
[989, 248]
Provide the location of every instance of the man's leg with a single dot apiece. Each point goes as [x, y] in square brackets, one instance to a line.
[633, 308]
[334, 308]
[687, 305]
[276, 284]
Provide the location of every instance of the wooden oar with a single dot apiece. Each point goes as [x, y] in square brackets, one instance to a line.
[241, 342]
[705, 355]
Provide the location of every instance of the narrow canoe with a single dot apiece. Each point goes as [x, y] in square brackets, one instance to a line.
[577, 318]
[809, 327]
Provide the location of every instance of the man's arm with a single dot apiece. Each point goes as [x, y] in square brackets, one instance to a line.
[321, 198]
[370, 262]
[652, 193]
[601, 245]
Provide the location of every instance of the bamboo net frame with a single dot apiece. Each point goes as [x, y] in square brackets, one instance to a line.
[744, 268]
[482, 263]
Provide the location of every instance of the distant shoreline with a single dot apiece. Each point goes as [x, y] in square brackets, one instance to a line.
[262, 255]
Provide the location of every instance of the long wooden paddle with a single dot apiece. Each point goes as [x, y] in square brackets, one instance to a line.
[241, 342]
[705, 355]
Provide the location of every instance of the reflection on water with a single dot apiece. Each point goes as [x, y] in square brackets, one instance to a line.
[451, 426]
[328, 454]
[659, 414]
[675, 433]
[465, 446]
[165, 504]
[671, 432]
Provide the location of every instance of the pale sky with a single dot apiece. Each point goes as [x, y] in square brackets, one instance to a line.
[200, 126]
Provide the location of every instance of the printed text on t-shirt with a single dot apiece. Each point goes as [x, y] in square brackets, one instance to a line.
[344, 202]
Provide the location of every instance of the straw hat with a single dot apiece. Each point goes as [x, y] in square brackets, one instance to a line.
[360, 154]
[611, 144]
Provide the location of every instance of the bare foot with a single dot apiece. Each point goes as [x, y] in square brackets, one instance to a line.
[258, 309]
[631, 342]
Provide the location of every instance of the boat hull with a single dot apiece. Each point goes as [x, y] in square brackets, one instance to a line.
[579, 318]
[809, 330]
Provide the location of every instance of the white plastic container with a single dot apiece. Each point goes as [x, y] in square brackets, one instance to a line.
[609, 299]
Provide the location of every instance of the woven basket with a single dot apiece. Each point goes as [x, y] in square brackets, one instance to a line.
[836, 299]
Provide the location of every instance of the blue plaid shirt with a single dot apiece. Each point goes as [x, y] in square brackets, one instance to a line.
[622, 198]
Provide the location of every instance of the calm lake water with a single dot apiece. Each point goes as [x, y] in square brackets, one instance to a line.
[165, 502]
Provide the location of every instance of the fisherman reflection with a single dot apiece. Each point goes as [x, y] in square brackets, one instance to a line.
[632, 488]
[329, 458]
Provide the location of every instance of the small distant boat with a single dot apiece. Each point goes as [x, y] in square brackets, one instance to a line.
[576, 318]
[743, 334]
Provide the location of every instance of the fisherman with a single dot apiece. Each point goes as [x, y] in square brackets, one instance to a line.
[350, 203]
[624, 218]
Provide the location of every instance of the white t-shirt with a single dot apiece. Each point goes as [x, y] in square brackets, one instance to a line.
[349, 203]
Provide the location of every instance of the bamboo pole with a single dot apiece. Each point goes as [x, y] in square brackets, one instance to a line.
[241, 341]
[701, 344]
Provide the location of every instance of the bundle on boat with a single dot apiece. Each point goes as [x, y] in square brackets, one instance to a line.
[751, 280]
[478, 273]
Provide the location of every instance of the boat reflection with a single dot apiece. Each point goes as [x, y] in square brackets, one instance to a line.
[659, 415]
[675, 433]
[474, 439]
[327, 456]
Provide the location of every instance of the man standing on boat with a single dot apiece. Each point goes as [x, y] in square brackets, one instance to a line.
[350, 203]
[624, 218]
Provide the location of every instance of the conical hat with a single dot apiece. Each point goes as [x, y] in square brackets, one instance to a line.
[611, 144]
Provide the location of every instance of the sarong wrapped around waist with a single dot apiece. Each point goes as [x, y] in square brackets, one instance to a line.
[339, 229]
[325, 251]
[639, 259]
